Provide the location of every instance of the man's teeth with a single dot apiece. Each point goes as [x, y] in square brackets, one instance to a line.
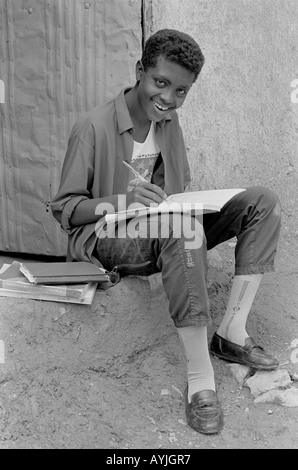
[160, 107]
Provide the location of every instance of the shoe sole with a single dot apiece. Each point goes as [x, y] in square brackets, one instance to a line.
[203, 432]
[247, 364]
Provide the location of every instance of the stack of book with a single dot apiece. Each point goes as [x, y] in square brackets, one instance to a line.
[59, 282]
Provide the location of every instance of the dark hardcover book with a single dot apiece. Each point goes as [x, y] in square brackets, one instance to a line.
[63, 273]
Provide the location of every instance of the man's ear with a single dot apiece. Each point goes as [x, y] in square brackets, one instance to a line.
[139, 70]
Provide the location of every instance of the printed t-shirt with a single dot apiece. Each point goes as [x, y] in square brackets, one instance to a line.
[144, 157]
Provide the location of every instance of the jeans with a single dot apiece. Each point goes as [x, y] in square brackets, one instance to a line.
[253, 216]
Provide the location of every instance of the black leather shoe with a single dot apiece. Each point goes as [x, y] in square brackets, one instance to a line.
[250, 355]
[204, 413]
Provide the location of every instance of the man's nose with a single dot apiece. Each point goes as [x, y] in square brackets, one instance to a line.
[167, 96]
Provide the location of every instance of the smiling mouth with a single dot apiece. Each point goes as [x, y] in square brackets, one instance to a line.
[162, 108]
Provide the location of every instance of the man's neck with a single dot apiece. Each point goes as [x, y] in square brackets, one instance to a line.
[141, 122]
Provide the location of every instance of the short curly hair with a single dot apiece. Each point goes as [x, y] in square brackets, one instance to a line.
[175, 46]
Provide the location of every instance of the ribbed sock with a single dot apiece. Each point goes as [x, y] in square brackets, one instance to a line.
[243, 292]
[199, 367]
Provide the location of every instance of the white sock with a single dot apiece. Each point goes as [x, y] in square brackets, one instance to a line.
[199, 367]
[243, 292]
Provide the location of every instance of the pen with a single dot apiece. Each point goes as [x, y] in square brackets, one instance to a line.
[141, 178]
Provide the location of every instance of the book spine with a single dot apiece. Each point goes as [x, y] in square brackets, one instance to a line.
[61, 291]
[41, 296]
[69, 280]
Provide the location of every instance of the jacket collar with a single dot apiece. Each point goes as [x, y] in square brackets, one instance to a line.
[123, 117]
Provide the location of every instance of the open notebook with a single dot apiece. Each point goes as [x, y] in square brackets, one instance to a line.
[193, 201]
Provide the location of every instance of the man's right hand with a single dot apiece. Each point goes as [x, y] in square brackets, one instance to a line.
[146, 194]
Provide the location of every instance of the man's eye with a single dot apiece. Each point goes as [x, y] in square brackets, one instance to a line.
[181, 92]
[160, 82]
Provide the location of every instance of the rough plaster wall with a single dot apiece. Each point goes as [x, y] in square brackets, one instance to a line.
[240, 124]
[58, 58]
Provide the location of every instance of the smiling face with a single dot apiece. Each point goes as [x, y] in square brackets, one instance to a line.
[162, 89]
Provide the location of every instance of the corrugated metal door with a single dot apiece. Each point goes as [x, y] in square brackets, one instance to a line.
[58, 58]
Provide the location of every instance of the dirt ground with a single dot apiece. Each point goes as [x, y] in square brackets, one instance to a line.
[111, 375]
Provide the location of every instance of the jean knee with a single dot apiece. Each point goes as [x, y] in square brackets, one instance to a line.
[266, 199]
[272, 202]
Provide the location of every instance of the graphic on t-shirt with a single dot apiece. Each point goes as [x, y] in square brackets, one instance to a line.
[144, 158]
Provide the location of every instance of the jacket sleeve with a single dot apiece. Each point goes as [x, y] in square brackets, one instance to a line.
[77, 174]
